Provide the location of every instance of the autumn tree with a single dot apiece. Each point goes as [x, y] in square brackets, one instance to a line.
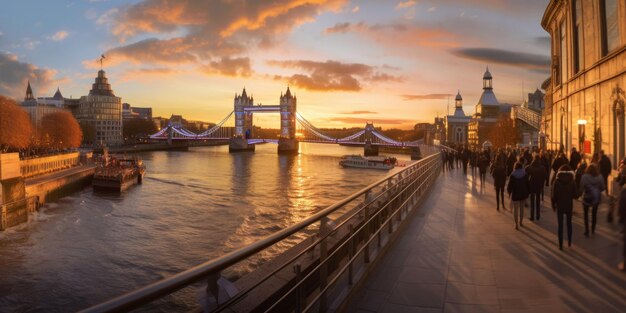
[503, 133]
[15, 126]
[138, 128]
[60, 130]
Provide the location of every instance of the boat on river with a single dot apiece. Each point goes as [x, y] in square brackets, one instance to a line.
[376, 162]
[117, 174]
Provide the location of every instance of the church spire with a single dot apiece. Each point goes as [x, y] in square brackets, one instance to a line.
[29, 93]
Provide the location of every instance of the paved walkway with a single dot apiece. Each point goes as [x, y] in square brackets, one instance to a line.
[458, 254]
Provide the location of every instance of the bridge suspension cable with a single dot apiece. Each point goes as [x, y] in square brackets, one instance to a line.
[217, 126]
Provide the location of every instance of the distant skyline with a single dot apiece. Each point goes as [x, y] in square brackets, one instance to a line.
[393, 62]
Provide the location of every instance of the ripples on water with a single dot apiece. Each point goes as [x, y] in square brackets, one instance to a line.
[193, 206]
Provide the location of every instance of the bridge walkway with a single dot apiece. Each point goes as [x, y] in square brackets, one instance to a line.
[458, 254]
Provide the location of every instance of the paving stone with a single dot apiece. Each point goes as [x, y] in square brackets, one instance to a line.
[422, 295]
[463, 256]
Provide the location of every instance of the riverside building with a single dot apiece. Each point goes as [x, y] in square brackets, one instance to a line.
[585, 95]
[102, 110]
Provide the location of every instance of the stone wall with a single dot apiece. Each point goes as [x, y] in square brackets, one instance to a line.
[37, 166]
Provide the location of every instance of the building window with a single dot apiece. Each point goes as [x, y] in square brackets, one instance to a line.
[563, 52]
[609, 26]
[577, 18]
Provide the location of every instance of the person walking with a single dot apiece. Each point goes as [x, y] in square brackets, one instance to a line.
[605, 169]
[518, 189]
[591, 186]
[580, 171]
[574, 159]
[537, 176]
[483, 165]
[563, 194]
[499, 180]
[559, 161]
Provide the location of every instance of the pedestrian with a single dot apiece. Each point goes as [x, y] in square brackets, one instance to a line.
[563, 194]
[580, 171]
[591, 186]
[559, 161]
[483, 165]
[574, 159]
[537, 176]
[499, 180]
[518, 190]
[510, 163]
[605, 168]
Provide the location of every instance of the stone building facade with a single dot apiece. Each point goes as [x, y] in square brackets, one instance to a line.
[585, 96]
[456, 125]
[488, 111]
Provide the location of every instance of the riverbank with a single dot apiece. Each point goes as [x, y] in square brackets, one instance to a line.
[53, 186]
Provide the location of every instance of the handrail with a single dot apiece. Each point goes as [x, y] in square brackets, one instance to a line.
[178, 281]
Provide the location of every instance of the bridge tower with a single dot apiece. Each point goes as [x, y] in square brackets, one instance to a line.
[287, 142]
[243, 123]
[369, 149]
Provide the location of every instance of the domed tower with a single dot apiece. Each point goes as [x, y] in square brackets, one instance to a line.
[458, 105]
[487, 80]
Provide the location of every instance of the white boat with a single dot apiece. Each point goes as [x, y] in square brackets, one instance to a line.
[358, 161]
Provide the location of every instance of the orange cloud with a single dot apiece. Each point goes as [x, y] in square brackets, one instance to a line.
[218, 35]
[16, 73]
[331, 75]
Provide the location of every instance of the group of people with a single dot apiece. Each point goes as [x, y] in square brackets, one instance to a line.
[526, 174]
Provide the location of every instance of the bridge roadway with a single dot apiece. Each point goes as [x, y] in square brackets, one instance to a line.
[458, 254]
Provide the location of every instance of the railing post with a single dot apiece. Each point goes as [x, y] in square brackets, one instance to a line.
[351, 248]
[297, 268]
[366, 250]
[323, 264]
[3, 223]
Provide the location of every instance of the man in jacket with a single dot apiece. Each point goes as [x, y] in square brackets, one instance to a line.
[518, 189]
[563, 194]
[537, 176]
[605, 168]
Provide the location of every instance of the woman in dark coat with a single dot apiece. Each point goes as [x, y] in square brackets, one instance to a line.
[483, 165]
[518, 189]
[499, 180]
[563, 194]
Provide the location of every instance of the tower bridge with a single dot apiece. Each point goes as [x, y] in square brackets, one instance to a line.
[237, 127]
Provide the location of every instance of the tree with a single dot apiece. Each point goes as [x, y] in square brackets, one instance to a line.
[60, 130]
[138, 128]
[503, 133]
[15, 126]
[89, 133]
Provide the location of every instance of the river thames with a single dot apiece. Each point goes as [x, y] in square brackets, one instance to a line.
[193, 206]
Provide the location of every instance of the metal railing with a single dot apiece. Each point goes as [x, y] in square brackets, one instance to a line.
[322, 267]
[527, 115]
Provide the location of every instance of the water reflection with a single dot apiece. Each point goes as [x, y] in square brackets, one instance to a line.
[192, 206]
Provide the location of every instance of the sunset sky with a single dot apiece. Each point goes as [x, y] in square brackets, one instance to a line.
[393, 62]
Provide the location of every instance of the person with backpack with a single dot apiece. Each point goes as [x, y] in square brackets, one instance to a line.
[563, 194]
[591, 186]
[537, 177]
[518, 190]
